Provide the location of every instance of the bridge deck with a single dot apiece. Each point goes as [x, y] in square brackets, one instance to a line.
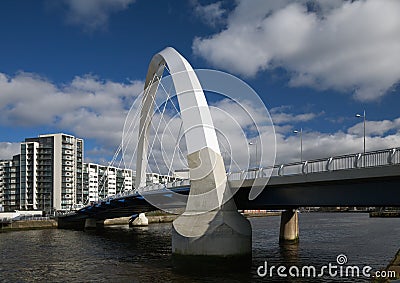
[338, 181]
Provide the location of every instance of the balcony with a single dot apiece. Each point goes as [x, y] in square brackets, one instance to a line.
[45, 157]
[68, 140]
[68, 152]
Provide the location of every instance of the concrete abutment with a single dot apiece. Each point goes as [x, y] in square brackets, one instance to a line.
[211, 224]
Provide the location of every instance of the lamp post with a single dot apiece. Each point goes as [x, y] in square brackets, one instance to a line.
[255, 143]
[364, 117]
[301, 142]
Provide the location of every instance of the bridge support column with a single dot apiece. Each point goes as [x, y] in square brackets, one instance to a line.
[289, 230]
[211, 224]
[93, 223]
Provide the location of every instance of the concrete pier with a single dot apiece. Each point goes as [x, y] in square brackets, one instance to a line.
[216, 233]
[141, 220]
[211, 224]
[289, 230]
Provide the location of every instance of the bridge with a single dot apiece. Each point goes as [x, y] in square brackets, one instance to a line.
[361, 180]
[210, 224]
[329, 182]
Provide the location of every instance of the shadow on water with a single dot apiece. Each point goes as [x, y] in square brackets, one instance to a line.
[153, 244]
[232, 269]
[289, 252]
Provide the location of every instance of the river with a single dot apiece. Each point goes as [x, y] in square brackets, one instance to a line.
[143, 254]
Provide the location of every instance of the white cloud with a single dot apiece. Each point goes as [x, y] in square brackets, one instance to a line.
[350, 46]
[235, 125]
[93, 14]
[8, 149]
[279, 116]
[93, 108]
[375, 127]
[211, 14]
[321, 145]
[87, 106]
[380, 135]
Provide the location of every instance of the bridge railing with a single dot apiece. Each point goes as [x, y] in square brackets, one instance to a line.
[376, 158]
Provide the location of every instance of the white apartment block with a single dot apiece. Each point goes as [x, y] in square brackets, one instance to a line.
[9, 183]
[51, 172]
[103, 181]
[28, 175]
[2, 185]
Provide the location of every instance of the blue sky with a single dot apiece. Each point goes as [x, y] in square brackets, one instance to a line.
[73, 66]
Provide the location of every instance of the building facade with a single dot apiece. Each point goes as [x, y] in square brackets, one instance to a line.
[47, 175]
[51, 172]
[102, 181]
[1, 185]
[10, 183]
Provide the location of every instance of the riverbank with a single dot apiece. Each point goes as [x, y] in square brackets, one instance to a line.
[152, 219]
[28, 225]
[261, 213]
[384, 214]
[162, 217]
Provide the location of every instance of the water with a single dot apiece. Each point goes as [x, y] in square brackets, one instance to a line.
[122, 254]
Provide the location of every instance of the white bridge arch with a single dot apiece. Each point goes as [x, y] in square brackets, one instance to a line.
[196, 117]
[211, 224]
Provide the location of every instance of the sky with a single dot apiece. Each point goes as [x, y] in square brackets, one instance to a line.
[76, 66]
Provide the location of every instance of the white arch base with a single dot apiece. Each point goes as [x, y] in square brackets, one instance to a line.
[210, 226]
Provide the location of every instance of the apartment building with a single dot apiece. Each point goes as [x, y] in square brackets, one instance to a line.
[1, 185]
[10, 183]
[51, 172]
[101, 181]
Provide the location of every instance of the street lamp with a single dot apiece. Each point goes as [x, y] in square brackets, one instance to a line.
[364, 117]
[255, 143]
[301, 142]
